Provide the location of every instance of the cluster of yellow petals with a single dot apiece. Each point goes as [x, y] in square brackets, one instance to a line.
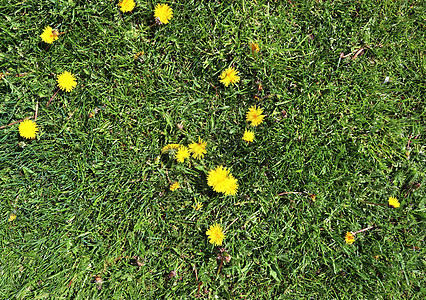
[248, 136]
[215, 234]
[174, 186]
[229, 76]
[28, 129]
[127, 5]
[49, 35]
[254, 115]
[182, 153]
[349, 238]
[198, 149]
[222, 181]
[67, 81]
[163, 13]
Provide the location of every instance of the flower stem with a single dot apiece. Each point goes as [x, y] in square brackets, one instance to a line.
[48, 103]
[365, 229]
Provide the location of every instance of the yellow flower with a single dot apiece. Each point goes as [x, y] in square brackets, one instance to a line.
[349, 238]
[126, 5]
[197, 205]
[254, 48]
[163, 13]
[393, 202]
[215, 234]
[170, 148]
[198, 149]
[182, 153]
[67, 81]
[49, 35]
[248, 136]
[12, 217]
[254, 115]
[28, 129]
[174, 186]
[229, 76]
[222, 181]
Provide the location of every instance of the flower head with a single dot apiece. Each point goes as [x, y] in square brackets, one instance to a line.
[215, 234]
[126, 5]
[198, 149]
[254, 115]
[349, 238]
[49, 35]
[393, 202]
[163, 13]
[229, 76]
[67, 81]
[170, 148]
[182, 153]
[174, 186]
[222, 181]
[12, 217]
[197, 205]
[248, 136]
[254, 48]
[28, 129]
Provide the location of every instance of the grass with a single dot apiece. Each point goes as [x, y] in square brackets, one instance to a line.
[91, 193]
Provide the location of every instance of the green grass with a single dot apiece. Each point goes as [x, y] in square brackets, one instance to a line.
[91, 194]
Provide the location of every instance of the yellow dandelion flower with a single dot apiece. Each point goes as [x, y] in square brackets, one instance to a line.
[28, 129]
[49, 35]
[254, 48]
[198, 149]
[170, 148]
[182, 153]
[222, 181]
[215, 234]
[174, 186]
[254, 115]
[248, 136]
[229, 76]
[163, 13]
[12, 217]
[67, 81]
[349, 238]
[197, 205]
[393, 202]
[126, 5]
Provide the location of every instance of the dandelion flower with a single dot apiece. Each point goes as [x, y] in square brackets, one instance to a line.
[28, 129]
[197, 205]
[215, 234]
[248, 136]
[254, 115]
[12, 217]
[349, 238]
[222, 181]
[198, 149]
[182, 153]
[254, 48]
[174, 186]
[229, 76]
[67, 81]
[393, 202]
[49, 35]
[170, 148]
[126, 5]
[163, 13]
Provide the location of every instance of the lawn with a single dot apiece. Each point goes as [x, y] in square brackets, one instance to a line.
[86, 206]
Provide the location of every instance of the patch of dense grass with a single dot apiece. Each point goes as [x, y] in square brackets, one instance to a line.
[91, 194]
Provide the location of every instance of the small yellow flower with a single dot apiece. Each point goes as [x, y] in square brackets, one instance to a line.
[198, 149]
[248, 136]
[12, 217]
[174, 186]
[182, 153]
[254, 48]
[49, 35]
[67, 81]
[215, 234]
[393, 202]
[197, 205]
[229, 76]
[349, 238]
[254, 115]
[163, 13]
[126, 5]
[28, 129]
[222, 181]
[170, 148]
